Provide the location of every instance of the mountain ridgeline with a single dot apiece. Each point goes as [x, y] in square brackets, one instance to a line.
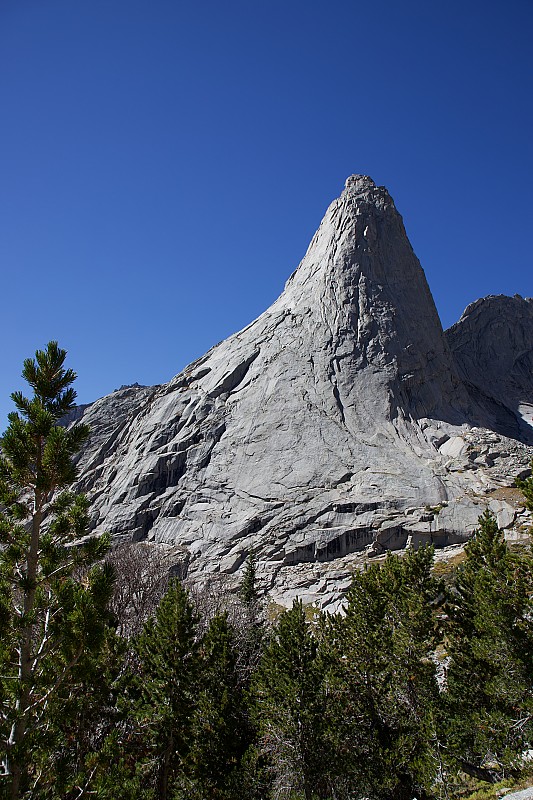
[341, 423]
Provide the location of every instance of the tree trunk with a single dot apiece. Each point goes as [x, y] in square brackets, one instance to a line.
[164, 772]
[481, 773]
[18, 730]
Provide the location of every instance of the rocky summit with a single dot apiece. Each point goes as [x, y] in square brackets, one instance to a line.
[340, 424]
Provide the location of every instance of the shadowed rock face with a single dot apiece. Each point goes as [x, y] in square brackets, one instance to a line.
[492, 345]
[314, 432]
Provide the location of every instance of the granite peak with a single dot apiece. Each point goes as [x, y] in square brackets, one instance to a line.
[321, 433]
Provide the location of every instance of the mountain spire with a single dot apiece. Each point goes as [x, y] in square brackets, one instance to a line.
[327, 426]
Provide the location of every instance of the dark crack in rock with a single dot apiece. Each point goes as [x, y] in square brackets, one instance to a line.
[339, 424]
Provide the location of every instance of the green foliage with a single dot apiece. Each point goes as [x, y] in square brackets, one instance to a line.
[383, 683]
[248, 590]
[166, 687]
[84, 719]
[222, 708]
[252, 625]
[220, 731]
[289, 706]
[112, 772]
[526, 487]
[36, 452]
[488, 702]
[52, 596]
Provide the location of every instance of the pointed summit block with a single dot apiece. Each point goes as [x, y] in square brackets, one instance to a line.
[362, 277]
[309, 434]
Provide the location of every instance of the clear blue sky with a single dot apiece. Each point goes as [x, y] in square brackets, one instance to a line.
[164, 164]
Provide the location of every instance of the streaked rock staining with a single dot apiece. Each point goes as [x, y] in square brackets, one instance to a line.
[340, 424]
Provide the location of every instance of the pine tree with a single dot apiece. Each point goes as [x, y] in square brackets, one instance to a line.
[220, 731]
[526, 487]
[52, 621]
[248, 589]
[86, 719]
[166, 688]
[383, 685]
[289, 707]
[252, 622]
[488, 701]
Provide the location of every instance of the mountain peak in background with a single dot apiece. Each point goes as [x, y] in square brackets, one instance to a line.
[322, 433]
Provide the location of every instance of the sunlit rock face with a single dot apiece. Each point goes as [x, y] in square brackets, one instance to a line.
[335, 426]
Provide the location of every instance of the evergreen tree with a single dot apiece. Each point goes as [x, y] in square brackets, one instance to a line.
[526, 487]
[166, 688]
[383, 686]
[488, 701]
[251, 623]
[86, 720]
[289, 707]
[248, 589]
[220, 731]
[53, 623]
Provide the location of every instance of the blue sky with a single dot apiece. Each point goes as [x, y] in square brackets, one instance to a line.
[164, 164]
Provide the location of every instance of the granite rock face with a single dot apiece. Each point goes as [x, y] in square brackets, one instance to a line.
[492, 345]
[337, 425]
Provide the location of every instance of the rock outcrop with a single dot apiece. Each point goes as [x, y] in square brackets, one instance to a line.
[337, 425]
[492, 345]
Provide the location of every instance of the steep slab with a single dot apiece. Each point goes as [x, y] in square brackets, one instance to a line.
[311, 434]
